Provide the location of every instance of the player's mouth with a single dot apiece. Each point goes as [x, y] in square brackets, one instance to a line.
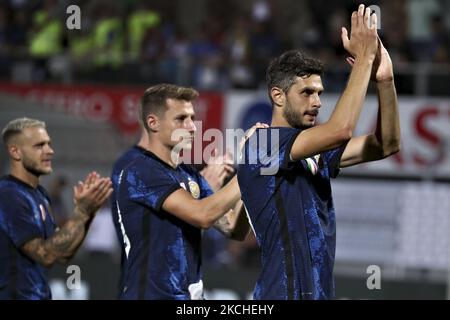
[312, 113]
[47, 162]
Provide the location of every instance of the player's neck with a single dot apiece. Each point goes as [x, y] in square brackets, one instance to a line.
[143, 140]
[24, 175]
[279, 121]
[162, 152]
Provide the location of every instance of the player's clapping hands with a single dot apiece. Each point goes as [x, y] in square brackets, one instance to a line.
[90, 195]
[218, 169]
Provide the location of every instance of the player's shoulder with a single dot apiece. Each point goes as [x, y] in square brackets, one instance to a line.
[126, 158]
[12, 191]
[146, 167]
[283, 133]
[44, 192]
[272, 137]
[189, 168]
[11, 185]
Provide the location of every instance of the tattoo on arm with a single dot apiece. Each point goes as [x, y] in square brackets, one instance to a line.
[62, 245]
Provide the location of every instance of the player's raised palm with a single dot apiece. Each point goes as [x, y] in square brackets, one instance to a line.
[363, 39]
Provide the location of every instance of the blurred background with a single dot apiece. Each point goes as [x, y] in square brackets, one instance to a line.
[86, 84]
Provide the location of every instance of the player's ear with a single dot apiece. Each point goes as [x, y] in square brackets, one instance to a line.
[278, 96]
[14, 152]
[152, 122]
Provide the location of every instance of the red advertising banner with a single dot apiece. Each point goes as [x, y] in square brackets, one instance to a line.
[116, 104]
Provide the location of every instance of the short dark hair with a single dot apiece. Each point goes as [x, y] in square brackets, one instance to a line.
[155, 98]
[283, 71]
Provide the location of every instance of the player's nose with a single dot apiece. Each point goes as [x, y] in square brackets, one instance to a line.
[49, 150]
[191, 127]
[316, 102]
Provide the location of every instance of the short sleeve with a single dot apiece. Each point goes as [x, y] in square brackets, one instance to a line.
[150, 186]
[205, 188]
[268, 150]
[333, 160]
[17, 218]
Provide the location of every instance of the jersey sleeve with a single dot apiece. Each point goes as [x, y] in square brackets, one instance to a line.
[332, 159]
[149, 186]
[268, 150]
[17, 218]
[205, 188]
[287, 139]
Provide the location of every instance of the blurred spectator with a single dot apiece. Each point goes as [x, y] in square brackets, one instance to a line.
[4, 34]
[261, 11]
[108, 38]
[440, 41]
[213, 46]
[238, 49]
[420, 27]
[45, 38]
[140, 23]
[264, 46]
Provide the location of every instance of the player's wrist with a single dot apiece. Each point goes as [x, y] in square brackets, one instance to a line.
[82, 213]
[363, 62]
[384, 83]
[365, 57]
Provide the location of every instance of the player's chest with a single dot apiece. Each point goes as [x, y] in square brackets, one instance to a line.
[42, 215]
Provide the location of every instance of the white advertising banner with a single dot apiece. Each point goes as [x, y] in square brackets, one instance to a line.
[425, 129]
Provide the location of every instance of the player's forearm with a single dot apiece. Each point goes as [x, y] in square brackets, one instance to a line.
[218, 204]
[388, 126]
[65, 242]
[234, 224]
[241, 226]
[61, 246]
[339, 129]
[349, 106]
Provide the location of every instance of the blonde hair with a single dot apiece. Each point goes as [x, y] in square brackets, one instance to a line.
[16, 126]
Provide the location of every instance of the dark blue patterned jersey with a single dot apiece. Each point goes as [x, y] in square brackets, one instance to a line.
[25, 214]
[162, 252]
[291, 210]
[124, 160]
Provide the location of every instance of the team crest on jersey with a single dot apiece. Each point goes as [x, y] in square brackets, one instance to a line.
[195, 189]
[43, 213]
